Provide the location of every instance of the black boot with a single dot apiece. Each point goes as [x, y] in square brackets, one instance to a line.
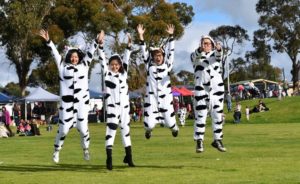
[128, 157]
[109, 159]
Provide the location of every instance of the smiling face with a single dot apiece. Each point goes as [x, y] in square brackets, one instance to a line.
[206, 45]
[74, 59]
[114, 66]
[158, 57]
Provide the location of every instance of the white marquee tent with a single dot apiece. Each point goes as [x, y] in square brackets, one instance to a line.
[40, 95]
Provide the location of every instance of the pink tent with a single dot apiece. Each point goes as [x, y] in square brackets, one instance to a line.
[186, 92]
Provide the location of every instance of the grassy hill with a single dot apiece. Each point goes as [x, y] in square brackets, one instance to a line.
[284, 111]
[263, 150]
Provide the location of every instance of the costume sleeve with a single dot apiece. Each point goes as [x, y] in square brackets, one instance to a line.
[126, 59]
[90, 53]
[219, 55]
[145, 52]
[102, 60]
[196, 56]
[170, 52]
[57, 56]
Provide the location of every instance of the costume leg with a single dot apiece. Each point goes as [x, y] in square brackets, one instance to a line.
[125, 128]
[200, 107]
[217, 103]
[66, 120]
[150, 115]
[82, 125]
[113, 119]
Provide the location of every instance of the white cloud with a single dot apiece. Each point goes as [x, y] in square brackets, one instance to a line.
[241, 12]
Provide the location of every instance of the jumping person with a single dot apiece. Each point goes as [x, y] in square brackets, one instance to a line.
[117, 102]
[158, 105]
[74, 93]
[209, 92]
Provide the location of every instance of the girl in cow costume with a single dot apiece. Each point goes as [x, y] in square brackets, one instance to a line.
[209, 92]
[158, 105]
[117, 102]
[74, 93]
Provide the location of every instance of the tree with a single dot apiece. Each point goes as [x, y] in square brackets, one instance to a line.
[280, 21]
[186, 76]
[229, 36]
[18, 21]
[65, 19]
[12, 89]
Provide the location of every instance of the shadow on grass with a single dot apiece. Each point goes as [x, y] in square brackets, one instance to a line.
[49, 168]
[77, 168]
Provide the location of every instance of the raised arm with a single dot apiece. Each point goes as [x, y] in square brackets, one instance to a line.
[127, 54]
[102, 57]
[145, 52]
[171, 46]
[196, 55]
[45, 35]
[92, 48]
[219, 52]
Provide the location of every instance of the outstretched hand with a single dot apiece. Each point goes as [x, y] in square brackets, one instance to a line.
[100, 37]
[129, 39]
[44, 34]
[141, 30]
[218, 46]
[170, 29]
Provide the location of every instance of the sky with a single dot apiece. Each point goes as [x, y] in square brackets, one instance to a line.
[209, 14]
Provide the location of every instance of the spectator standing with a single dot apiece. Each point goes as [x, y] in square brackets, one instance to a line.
[228, 101]
[247, 110]
[237, 113]
[5, 118]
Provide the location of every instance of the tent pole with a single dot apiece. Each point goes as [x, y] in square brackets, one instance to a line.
[25, 110]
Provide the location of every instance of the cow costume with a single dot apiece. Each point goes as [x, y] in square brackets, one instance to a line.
[209, 94]
[158, 102]
[74, 92]
[117, 104]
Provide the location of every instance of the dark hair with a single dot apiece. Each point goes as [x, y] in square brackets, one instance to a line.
[117, 57]
[71, 51]
[153, 52]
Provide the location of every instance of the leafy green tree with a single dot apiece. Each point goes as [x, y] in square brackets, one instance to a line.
[65, 19]
[230, 37]
[12, 89]
[18, 21]
[280, 21]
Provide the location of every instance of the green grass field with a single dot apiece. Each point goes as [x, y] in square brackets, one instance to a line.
[264, 150]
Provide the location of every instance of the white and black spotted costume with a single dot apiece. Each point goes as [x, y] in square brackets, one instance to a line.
[74, 92]
[117, 101]
[158, 105]
[182, 115]
[209, 92]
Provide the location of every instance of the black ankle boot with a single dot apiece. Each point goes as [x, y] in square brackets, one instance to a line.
[128, 157]
[109, 159]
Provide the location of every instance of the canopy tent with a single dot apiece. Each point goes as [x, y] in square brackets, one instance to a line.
[5, 98]
[186, 92]
[175, 93]
[256, 83]
[182, 91]
[41, 95]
